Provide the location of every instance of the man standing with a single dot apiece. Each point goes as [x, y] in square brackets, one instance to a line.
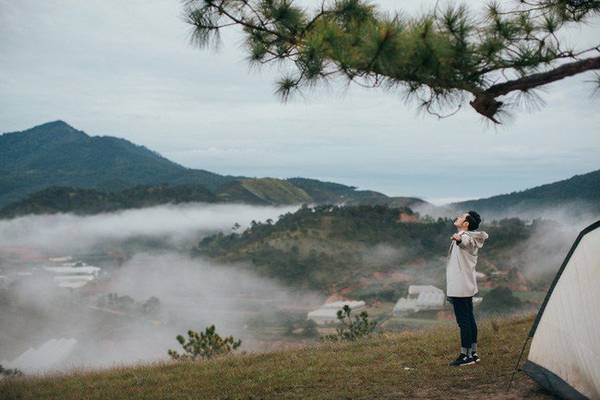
[461, 284]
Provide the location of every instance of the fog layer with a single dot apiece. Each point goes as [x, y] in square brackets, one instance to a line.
[192, 292]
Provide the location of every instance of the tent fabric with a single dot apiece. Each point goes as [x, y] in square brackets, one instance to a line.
[565, 350]
[551, 381]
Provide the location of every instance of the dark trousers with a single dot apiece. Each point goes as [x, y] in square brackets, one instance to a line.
[463, 309]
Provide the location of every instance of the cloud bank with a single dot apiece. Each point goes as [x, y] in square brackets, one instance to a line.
[192, 292]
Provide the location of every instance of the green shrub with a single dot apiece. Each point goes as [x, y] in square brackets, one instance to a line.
[204, 345]
[349, 329]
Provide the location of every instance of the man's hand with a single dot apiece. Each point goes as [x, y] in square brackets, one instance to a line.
[456, 237]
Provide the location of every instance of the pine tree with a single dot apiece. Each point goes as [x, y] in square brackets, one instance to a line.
[204, 345]
[441, 59]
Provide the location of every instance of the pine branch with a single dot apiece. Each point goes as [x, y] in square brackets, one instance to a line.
[486, 104]
[446, 54]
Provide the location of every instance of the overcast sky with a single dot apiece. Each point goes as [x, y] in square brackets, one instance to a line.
[126, 69]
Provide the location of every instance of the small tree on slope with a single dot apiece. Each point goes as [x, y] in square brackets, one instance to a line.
[349, 329]
[204, 345]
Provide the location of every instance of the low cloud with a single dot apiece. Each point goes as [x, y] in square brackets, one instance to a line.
[178, 224]
[192, 292]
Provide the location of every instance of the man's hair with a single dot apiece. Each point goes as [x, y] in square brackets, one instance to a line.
[473, 219]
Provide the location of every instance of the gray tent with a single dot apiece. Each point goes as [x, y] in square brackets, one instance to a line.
[565, 350]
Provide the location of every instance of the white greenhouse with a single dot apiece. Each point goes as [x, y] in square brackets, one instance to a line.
[48, 356]
[420, 297]
[327, 313]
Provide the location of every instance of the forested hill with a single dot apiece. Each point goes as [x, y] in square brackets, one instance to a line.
[41, 165]
[58, 199]
[56, 154]
[366, 251]
[577, 195]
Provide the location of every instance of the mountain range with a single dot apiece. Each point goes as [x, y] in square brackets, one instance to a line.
[576, 196]
[54, 167]
[55, 161]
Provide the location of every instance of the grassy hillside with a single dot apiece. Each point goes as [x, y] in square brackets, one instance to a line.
[335, 193]
[390, 366]
[322, 191]
[276, 191]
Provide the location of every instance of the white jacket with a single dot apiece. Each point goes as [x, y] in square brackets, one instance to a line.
[462, 258]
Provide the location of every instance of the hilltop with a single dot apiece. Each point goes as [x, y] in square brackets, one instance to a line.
[390, 366]
[56, 154]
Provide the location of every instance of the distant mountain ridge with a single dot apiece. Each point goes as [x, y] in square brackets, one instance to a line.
[577, 195]
[40, 167]
[53, 156]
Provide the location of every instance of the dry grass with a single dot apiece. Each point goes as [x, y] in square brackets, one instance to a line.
[393, 366]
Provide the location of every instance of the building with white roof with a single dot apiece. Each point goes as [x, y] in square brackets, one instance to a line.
[73, 275]
[48, 356]
[327, 313]
[420, 297]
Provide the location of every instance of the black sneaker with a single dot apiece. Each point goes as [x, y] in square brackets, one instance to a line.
[475, 357]
[462, 359]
